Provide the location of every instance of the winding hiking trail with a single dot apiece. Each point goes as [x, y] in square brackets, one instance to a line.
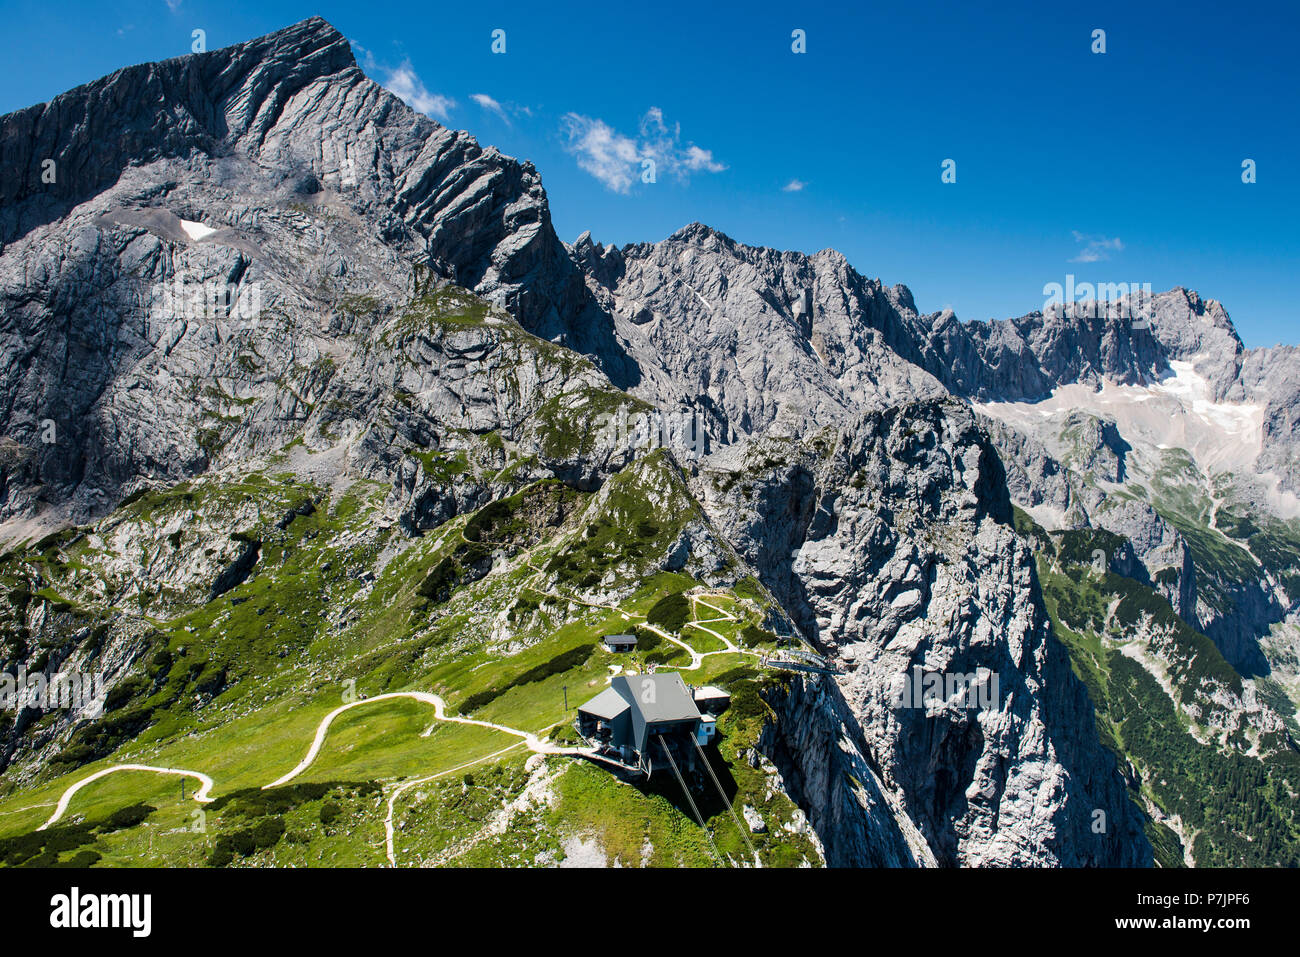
[534, 743]
[201, 795]
[723, 616]
[697, 657]
[527, 738]
[403, 788]
[531, 740]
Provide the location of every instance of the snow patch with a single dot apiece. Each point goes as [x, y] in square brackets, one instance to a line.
[1177, 412]
[196, 231]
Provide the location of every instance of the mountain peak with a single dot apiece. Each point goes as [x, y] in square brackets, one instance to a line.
[311, 47]
[305, 38]
[698, 232]
[154, 110]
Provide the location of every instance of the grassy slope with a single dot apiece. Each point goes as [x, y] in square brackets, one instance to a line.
[235, 686]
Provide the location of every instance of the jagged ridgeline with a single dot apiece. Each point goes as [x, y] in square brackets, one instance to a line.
[331, 469]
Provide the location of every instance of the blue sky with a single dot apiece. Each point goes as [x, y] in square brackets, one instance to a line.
[1117, 167]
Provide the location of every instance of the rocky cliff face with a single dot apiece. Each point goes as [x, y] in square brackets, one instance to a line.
[890, 543]
[814, 338]
[289, 118]
[753, 339]
[816, 742]
[320, 201]
[1084, 401]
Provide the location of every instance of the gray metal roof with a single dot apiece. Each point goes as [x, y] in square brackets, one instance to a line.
[658, 697]
[609, 704]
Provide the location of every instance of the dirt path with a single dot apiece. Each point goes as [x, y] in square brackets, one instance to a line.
[200, 795]
[30, 807]
[697, 657]
[439, 712]
[527, 738]
[403, 788]
[533, 742]
[701, 623]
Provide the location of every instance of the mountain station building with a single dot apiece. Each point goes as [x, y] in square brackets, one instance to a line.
[619, 643]
[639, 717]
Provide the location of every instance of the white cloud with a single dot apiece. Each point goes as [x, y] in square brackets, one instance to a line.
[617, 159]
[173, 5]
[794, 186]
[653, 124]
[603, 152]
[406, 84]
[491, 105]
[697, 159]
[1095, 248]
